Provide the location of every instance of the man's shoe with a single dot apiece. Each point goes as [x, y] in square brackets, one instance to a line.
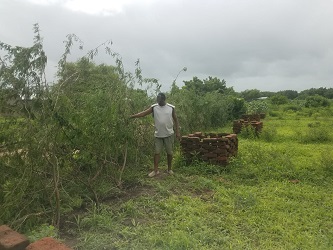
[170, 172]
[154, 173]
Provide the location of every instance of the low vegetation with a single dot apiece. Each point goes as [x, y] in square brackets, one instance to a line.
[276, 194]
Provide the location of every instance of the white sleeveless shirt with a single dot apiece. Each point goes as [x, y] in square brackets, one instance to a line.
[163, 120]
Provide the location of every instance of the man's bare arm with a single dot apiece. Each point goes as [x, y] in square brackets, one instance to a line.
[143, 113]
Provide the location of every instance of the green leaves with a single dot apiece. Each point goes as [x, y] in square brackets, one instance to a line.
[256, 107]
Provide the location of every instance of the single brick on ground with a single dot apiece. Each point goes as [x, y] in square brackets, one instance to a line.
[12, 240]
[47, 243]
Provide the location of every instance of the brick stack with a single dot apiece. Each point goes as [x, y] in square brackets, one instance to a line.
[213, 148]
[251, 117]
[12, 240]
[247, 120]
[238, 125]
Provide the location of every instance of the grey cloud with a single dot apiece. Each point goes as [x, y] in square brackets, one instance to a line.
[269, 45]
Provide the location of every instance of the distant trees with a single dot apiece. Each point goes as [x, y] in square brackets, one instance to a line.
[316, 101]
[324, 92]
[290, 94]
[210, 84]
[279, 99]
[251, 94]
[205, 104]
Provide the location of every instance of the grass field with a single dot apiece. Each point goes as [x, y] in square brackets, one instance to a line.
[276, 194]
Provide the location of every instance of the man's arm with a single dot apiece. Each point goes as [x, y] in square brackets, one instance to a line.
[143, 113]
[176, 124]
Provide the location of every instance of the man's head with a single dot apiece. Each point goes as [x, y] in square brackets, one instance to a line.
[161, 99]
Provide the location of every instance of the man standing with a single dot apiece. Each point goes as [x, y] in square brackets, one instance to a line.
[165, 120]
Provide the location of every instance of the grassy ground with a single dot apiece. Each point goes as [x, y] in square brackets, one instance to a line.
[277, 194]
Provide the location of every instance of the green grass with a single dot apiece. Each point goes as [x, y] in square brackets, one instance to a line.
[276, 194]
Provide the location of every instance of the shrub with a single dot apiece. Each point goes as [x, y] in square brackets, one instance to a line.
[203, 111]
[316, 101]
[292, 107]
[249, 132]
[268, 134]
[256, 107]
[74, 142]
[278, 99]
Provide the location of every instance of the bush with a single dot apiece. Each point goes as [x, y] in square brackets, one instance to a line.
[316, 101]
[256, 107]
[204, 111]
[292, 107]
[75, 142]
[268, 134]
[278, 99]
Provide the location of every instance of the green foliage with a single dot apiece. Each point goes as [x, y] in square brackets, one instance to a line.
[314, 134]
[316, 101]
[251, 94]
[326, 160]
[292, 107]
[278, 99]
[21, 75]
[324, 92]
[205, 86]
[249, 132]
[42, 231]
[239, 107]
[275, 190]
[274, 113]
[269, 134]
[256, 107]
[204, 111]
[290, 94]
[205, 104]
[75, 142]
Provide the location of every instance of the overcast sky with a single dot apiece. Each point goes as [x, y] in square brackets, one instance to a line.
[269, 45]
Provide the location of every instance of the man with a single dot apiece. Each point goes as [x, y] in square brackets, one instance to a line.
[165, 120]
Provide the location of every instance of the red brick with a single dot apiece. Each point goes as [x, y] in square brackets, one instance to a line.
[47, 243]
[11, 240]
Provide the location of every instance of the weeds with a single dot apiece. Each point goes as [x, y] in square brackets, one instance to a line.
[326, 161]
[314, 134]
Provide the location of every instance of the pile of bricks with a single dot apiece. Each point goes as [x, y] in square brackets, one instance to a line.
[248, 121]
[213, 148]
[251, 117]
[238, 125]
[12, 240]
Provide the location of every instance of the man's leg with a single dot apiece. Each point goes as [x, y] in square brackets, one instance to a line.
[169, 156]
[156, 161]
[158, 148]
[169, 144]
